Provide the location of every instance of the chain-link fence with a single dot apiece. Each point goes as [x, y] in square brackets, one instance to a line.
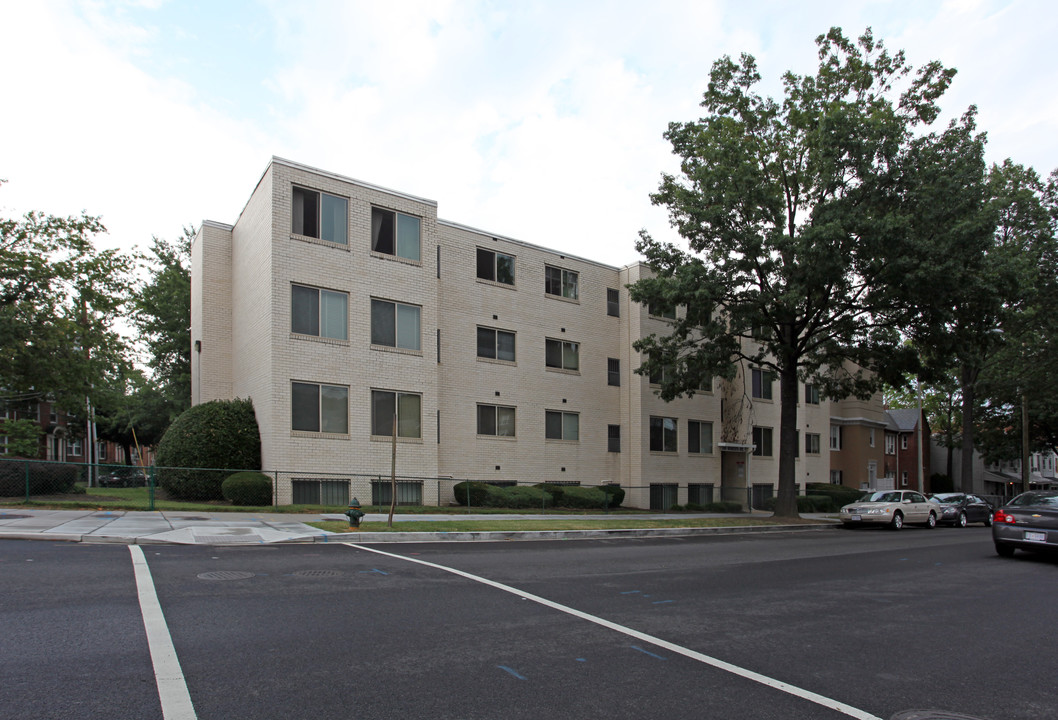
[142, 487]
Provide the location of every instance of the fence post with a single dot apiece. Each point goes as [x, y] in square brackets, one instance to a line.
[150, 488]
[275, 489]
[27, 481]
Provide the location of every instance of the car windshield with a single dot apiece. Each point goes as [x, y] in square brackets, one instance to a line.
[948, 497]
[1026, 499]
[880, 497]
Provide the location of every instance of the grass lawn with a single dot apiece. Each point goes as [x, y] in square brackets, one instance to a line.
[500, 525]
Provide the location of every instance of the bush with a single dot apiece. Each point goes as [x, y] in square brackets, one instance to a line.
[525, 497]
[44, 478]
[477, 492]
[807, 504]
[695, 507]
[247, 488]
[722, 507]
[554, 490]
[839, 494]
[583, 498]
[675, 507]
[616, 493]
[494, 496]
[218, 435]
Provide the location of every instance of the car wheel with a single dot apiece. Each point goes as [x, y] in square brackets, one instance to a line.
[898, 520]
[961, 522]
[931, 521]
[1005, 550]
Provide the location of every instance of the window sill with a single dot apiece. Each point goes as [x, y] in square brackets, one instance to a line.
[665, 453]
[493, 361]
[320, 241]
[397, 350]
[318, 339]
[389, 439]
[572, 301]
[562, 371]
[319, 435]
[557, 441]
[701, 454]
[496, 283]
[768, 401]
[396, 259]
[506, 438]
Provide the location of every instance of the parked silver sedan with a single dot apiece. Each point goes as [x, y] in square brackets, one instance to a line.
[1028, 522]
[894, 508]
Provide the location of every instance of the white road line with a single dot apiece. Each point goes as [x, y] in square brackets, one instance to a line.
[658, 642]
[172, 689]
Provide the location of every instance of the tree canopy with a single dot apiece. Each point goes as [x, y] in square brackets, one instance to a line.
[812, 241]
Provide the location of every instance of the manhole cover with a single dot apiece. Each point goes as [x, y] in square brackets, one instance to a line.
[225, 575]
[5, 516]
[317, 573]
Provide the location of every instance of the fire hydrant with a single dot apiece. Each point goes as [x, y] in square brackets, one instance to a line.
[354, 513]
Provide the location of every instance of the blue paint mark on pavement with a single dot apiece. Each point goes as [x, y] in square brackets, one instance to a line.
[647, 652]
[629, 592]
[374, 570]
[661, 602]
[512, 672]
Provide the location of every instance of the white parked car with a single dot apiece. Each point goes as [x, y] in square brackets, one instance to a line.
[894, 508]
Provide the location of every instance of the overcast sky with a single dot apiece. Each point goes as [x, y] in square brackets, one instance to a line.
[540, 121]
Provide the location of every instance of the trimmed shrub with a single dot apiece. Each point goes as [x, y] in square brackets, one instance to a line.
[44, 478]
[584, 498]
[554, 490]
[477, 492]
[247, 488]
[495, 496]
[217, 435]
[839, 494]
[525, 497]
[616, 493]
[675, 507]
[722, 507]
[695, 507]
[807, 504]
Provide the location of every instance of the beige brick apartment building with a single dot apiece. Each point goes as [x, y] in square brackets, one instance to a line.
[336, 305]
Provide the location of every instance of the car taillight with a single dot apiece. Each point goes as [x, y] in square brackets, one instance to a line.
[1002, 517]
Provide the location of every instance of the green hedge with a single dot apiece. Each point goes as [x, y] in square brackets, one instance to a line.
[809, 503]
[44, 478]
[839, 494]
[247, 488]
[220, 435]
[541, 495]
[616, 493]
[722, 507]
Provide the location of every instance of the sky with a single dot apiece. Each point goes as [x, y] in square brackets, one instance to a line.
[538, 120]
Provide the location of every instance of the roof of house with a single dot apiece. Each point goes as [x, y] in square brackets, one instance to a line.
[904, 419]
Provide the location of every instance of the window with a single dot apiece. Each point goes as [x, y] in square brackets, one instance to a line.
[699, 437]
[561, 354]
[890, 444]
[870, 437]
[835, 437]
[3, 444]
[73, 447]
[761, 383]
[903, 479]
[812, 443]
[495, 266]
[613, 438]
[409, 492]
[101, 451]
[395, 325]
[319, 408]
[496, 420]
[662, 434]
[322, 313]
[903, 441]
[811, 395]
[762, 441]
[706, 385]
[309, 491]
[562, 283]
[561, 425]
[407, 407]
[319, 215]
[659, 376]
[669, 313]
[613, 372]
[699, 493]
[835, 477]
[613, 299]
[394, 233]
[495, 344]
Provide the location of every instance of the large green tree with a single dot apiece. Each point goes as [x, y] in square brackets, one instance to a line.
[802, 243]
[59, 298]
[162, 314]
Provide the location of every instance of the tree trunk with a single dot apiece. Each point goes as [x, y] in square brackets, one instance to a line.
[966, 475]
[786, 502]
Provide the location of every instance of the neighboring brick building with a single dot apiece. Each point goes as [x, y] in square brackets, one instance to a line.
[333, 303]
[62, 433]
[902, 437]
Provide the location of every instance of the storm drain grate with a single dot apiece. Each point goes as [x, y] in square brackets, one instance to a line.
[225, 575]
[317, 573]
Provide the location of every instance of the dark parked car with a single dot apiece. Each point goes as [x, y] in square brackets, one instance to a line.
[960, 509]
[1028, 522]
[128, 476]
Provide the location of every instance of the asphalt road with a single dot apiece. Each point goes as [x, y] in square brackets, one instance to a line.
[814, 625]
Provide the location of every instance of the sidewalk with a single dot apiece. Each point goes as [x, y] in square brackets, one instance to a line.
[204, 528]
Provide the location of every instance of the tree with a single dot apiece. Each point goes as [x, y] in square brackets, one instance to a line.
[942, 405]
[23, 438]
[162, 314]
[59, 298]
[801, 246]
